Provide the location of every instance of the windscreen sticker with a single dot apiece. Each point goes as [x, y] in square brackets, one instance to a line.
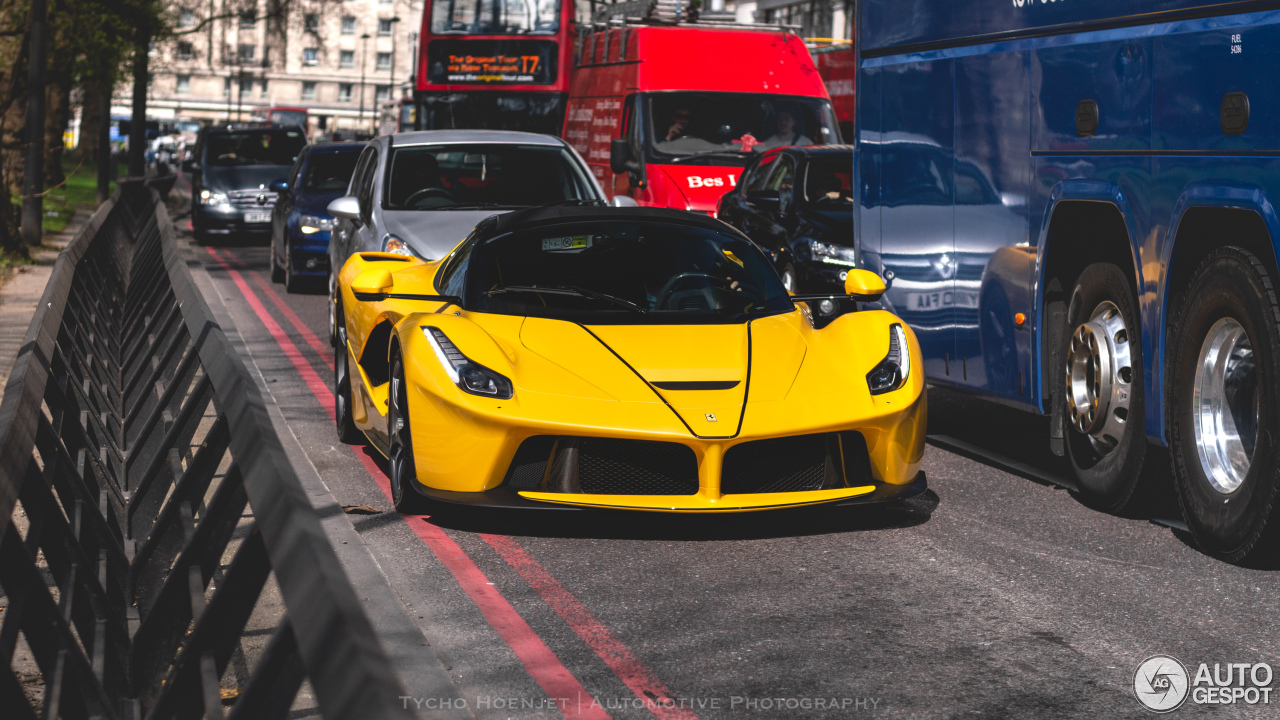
[575, 243]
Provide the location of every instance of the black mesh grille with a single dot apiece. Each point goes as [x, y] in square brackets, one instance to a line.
[777, 465]
[530, 463]
[636, 467]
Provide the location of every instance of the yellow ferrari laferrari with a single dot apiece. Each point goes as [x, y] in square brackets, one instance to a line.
[642, 359]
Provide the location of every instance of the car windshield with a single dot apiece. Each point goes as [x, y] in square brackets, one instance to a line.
[730, 127]
[624, 272]
[255, 147]
[495, 17]
[448, 177]
[329, 171]
[829, 181]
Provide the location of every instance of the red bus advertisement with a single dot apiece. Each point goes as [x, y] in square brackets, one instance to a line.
[495, 64]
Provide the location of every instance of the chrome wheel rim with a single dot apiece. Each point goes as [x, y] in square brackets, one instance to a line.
[1225, 405]
[1099, 377]
[397, 428]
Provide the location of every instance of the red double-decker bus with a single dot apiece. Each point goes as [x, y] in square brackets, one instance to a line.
[495, 64]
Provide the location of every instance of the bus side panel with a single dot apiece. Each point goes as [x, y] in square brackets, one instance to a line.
[1115, 75]
[994, 262]
[916, 215]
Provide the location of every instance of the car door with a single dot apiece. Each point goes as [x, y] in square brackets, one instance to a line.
[285, 202]
[344, 235]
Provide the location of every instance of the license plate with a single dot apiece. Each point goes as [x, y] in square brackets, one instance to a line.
[257, 217]
[926, 302]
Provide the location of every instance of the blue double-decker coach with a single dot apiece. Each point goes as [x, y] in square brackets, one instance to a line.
[1073, 202]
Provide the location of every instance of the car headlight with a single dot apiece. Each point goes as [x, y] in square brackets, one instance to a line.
[212, 198]
[393, 244]
[831, 253]
[471, 377]
[314, 223]
[892, 372]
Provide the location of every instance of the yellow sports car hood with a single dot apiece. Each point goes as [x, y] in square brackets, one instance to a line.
[703, 372]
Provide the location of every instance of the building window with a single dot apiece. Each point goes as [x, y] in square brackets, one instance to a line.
[309, 56]
[384, 61]
[184, 51]
[308, 91]
[382, 93]
[186, 18]
[184, 84]
[262, 90]
[348, 25]
[248, 21]
[347, 59]
[311, 22]
[344, 92]
[226, 87]
[246, 87]
[384, 26]
[246, 52]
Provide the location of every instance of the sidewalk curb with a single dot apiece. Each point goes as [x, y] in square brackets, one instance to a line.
[421, 672]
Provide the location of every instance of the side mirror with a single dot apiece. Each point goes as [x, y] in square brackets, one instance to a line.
[372, 281]
[279, 185]
[621, 201]
[345, 207]
[764, 199]
[865, 284]
[620, 158]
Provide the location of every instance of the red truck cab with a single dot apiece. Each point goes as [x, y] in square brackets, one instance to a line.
[670, 114]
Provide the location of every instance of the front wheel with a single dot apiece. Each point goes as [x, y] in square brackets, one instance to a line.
[1103, 387]
[1224, 346]
[403, 474]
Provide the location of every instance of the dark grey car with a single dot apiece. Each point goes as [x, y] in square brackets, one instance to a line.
[231, 175]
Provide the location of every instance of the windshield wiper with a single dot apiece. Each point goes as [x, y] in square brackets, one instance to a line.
[566, 290]
[576, 201]
[713, 153]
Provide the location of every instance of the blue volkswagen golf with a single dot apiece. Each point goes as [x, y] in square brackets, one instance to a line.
[300, 225]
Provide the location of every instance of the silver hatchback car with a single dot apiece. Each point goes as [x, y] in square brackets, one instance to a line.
[421, 193]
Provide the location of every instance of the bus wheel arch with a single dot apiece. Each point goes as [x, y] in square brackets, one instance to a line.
[1091, 353]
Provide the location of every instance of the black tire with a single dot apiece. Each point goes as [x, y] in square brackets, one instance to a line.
[401, 471]
[1108, 479]
[292, 283]
[347, 430]
[277, 272]
[1239, 526]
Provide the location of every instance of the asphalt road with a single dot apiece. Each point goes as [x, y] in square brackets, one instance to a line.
[992, 595]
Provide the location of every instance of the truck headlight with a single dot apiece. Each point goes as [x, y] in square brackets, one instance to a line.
[314, 223]
[892, 372]
[833, 254]
[470, 376]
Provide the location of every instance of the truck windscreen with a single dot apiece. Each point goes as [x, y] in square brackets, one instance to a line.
[716, 127]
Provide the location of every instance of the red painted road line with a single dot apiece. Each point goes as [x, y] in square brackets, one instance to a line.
[541, 664]
[308, 373]
[324, 350]
[633, 673]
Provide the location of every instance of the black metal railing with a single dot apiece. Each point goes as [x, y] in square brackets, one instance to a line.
[132, 440]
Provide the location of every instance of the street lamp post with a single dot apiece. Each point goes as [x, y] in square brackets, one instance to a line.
[391, 88]
[364, 61]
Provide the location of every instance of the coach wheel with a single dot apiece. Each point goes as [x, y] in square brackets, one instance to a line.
[1102, 381]
[347, 430]
[402, 472]
[1223, 420]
